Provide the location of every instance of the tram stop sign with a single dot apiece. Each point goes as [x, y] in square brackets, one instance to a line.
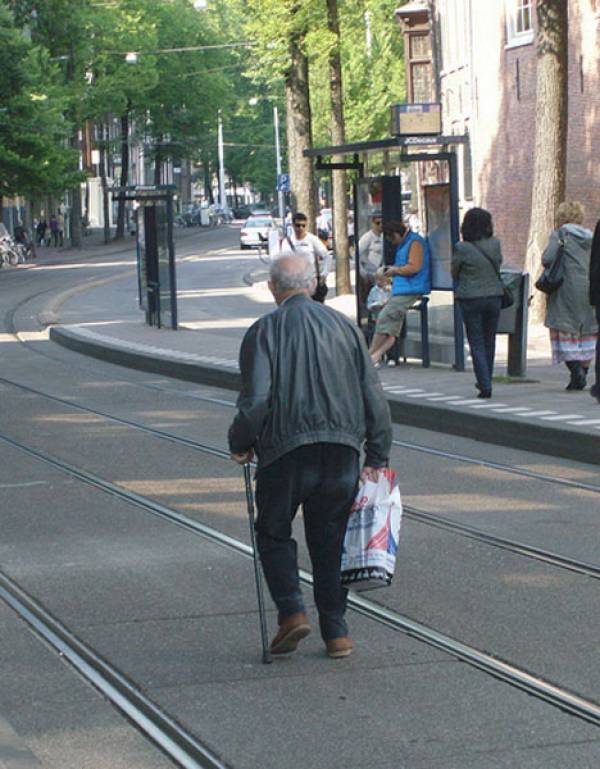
[283, 182]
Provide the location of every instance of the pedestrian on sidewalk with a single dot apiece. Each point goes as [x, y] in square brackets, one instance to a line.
[40, 230]
[309, 400]
[595, 302]
[54, 231]
[569, 315]
[304, 243]
[60, 217]
[478, 291]
[411, 279]
[370, 257]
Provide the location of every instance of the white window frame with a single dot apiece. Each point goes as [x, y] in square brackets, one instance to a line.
[515, 9]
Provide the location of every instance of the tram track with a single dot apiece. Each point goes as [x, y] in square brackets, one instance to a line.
[583, 568]
[541, 688]
[166, 733]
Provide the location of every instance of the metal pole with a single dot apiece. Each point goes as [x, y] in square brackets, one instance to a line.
[222, 196]
[278, 163]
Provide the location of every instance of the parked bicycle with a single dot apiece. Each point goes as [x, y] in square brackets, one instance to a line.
[9, 253]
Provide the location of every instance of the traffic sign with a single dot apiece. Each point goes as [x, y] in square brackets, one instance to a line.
[283, 182]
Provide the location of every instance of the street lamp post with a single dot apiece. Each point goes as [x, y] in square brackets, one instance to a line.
[278, 163]
[222, 196]
[280, 202]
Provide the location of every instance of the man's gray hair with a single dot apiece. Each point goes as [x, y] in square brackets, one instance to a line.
[290, 273]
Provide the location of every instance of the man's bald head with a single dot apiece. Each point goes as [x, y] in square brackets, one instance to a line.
[291, 275]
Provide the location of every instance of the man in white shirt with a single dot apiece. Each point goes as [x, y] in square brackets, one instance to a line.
[370, 256]
[306, 244]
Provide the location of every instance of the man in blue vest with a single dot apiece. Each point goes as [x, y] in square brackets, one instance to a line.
[411, 279]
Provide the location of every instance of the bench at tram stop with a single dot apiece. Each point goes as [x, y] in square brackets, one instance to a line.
[420, 306]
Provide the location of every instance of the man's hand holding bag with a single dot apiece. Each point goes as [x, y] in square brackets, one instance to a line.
[371, 541]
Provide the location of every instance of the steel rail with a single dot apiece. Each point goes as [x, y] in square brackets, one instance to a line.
[529, 551]
[177, 743]
[512, 469]
[555, 695]
[404, 444]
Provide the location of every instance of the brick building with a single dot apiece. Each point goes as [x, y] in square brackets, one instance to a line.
[480, 63]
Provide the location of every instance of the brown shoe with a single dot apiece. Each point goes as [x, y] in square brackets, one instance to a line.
[339, 647]
[291, 631]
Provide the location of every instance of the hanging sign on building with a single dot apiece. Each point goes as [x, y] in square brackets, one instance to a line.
[416, 119]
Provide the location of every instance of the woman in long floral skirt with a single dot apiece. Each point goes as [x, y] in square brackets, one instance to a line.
[569, 316]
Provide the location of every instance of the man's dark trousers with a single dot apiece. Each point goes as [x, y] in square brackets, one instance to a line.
[323, 478]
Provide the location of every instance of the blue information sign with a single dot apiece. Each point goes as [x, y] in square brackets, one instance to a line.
[283, 182]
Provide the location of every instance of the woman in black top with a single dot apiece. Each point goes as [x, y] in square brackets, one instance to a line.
[478, 290]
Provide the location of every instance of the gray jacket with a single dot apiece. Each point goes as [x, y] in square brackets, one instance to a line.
[307, 378]
[473, 273]
[568, 309]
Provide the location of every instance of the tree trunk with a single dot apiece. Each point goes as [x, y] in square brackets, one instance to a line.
[207, 181]
[120, 233]
[550, 151]
[299, 131]
[340, 186]
[158, 162]
[29, 216]
[105, 211]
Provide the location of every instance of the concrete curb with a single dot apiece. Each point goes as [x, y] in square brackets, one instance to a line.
[502, 431]
[154, 364]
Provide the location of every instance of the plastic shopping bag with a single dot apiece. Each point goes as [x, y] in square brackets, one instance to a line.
[371, 542]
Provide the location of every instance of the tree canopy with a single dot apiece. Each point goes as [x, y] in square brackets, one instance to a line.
[64, 63]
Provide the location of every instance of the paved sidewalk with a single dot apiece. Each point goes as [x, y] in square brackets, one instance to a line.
[104, 320]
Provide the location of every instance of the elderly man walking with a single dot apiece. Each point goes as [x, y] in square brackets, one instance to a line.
[310, 399]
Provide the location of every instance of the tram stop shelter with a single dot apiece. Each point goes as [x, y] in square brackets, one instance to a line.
[414, 178]
[157, 288]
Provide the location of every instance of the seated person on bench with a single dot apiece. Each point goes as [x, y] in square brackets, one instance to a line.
[411, 279]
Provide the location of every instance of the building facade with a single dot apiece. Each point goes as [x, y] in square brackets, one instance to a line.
[483, 64]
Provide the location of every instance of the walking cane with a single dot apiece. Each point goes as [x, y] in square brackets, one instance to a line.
[266, 655]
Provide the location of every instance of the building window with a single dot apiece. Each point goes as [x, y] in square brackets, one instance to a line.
[519, 22]
[420, 72]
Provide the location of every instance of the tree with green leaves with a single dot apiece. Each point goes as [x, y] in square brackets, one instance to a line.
[33, 158]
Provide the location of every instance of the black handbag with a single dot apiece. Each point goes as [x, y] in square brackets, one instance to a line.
[553, 276]
[320, 291]
[322, 288]
[508, 298]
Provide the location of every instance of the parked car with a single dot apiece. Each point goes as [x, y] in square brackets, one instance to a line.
[189, 216]
[255, 231]
[242, 212]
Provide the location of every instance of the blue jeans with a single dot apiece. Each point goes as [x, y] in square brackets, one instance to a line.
[481, 321]
[323, 477]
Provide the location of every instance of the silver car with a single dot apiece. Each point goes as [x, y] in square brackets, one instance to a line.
[255, 231]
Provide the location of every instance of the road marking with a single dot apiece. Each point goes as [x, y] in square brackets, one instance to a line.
[404, 391]
[467, 402]
[562, 417]
[487, 405]
[424, 395]
[538, 413]
[447, 398]
[22, 485]
[586, 422]
[511, 409]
